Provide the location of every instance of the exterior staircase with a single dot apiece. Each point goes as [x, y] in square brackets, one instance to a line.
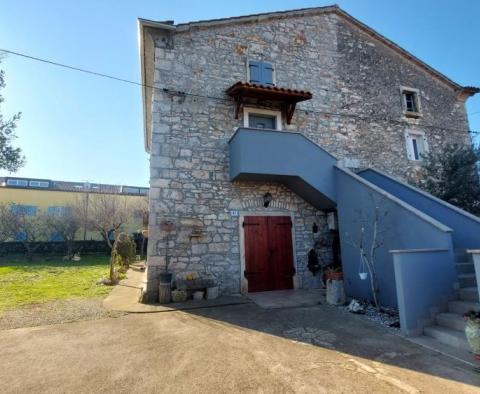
[449, 326]
[423, 276]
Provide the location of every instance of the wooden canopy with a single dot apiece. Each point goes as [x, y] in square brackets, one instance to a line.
[241, 91]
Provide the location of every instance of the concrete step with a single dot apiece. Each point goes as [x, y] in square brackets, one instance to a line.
[469, 294]
[462, 307]
[450, 351]
[451, 320]
[461, 254]
[465, 268]
[448, 336]
[467, 280]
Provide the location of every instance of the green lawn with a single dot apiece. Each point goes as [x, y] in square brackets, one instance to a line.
[23, 282]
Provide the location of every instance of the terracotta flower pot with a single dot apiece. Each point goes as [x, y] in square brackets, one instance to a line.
[334, 275]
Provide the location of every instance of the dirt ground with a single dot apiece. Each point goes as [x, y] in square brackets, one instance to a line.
[240, 348]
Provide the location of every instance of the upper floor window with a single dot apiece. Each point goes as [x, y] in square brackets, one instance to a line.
[17, 182]
[261, 72]
[410, 102]
[39, 184]
[416, 145]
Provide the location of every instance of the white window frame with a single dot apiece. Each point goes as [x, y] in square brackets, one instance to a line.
[17, 182]
[408, 142]
[416, 92]
[274, 74]
[259, 111]
[36, 183]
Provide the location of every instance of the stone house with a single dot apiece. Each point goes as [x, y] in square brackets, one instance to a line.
[239, 115]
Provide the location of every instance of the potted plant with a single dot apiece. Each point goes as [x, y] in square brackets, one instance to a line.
[472, 331]
[334, 273]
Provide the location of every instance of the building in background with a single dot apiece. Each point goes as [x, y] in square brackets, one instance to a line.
[33, 195]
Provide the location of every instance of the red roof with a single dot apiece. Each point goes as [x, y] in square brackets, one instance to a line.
[267, 92]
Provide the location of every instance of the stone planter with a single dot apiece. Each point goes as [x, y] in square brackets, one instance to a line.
[335, 292]
[164, 288]
[198, 295]
[472, 332]
[179, 296]
[212, 293]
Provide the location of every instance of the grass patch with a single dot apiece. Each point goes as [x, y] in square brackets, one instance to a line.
[23, 282]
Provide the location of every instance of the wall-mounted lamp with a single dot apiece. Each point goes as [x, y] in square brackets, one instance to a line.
[267, 199]
[314, 228]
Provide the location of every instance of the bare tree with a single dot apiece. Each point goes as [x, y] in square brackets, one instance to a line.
[65, 224]
[18, 224]
[107, 213]
[369, 240]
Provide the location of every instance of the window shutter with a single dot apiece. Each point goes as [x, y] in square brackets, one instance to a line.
[255, 71]
[267, 73]
[408, 139]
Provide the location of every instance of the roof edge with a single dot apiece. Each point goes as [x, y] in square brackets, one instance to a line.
[145, 44]
[335, 9]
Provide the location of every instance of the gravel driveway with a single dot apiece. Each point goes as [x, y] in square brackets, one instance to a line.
[55, 312]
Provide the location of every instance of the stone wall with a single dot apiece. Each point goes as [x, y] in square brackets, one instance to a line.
[354, 82]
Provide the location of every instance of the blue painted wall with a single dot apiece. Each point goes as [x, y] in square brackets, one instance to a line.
[403, 228]
[286, 157]
[424, 280]
[466, 227]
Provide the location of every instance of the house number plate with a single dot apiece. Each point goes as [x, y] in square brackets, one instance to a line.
[234, 213]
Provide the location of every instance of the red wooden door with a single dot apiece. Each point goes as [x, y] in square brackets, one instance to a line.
[281, 251]
[256, 253]
[268, 253]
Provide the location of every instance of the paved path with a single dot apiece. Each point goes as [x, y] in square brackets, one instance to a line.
[125, 298]
[240, 348]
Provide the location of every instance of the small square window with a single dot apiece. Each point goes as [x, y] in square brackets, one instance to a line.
[411, 102]
[261, 72]
[257, 118]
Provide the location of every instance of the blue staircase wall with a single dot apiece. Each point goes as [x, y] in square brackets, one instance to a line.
[465, 226]
[286, 157]
[402, 227]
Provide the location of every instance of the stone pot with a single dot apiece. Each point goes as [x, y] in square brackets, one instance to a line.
[198, 295]
[164, 287]
[212, 293]
[179, 296]
[335, 292]
[472, 332]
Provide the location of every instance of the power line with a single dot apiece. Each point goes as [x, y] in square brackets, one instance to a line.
[169, 91]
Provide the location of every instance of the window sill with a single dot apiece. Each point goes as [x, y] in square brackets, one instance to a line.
[414, 115]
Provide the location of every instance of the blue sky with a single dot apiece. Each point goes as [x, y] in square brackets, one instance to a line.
[79, 127]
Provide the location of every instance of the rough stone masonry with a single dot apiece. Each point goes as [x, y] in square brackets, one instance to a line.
[356, 114]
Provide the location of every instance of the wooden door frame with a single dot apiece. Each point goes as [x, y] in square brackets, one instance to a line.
[242, 214]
